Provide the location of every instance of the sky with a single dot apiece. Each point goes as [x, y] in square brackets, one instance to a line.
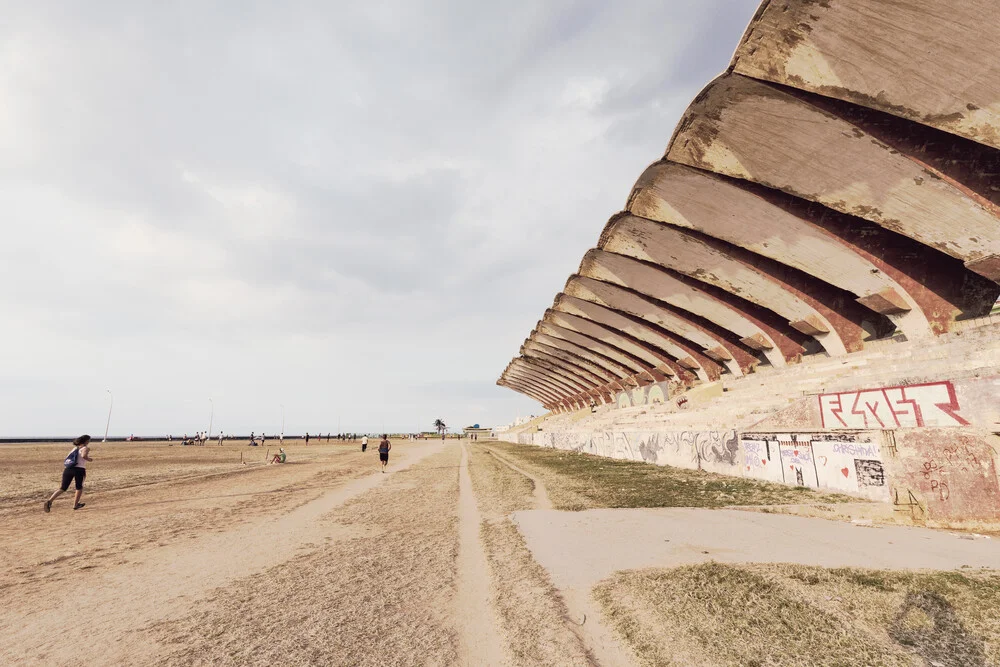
[344, 215]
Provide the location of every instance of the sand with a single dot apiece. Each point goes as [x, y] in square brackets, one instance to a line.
[188, 556]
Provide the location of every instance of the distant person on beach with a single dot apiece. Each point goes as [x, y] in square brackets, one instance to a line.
[307, 437]
[383, 451]
[74, 470]
[262, 439]
[253, 439]
[364, 443]
[220, 439]
[279, 457]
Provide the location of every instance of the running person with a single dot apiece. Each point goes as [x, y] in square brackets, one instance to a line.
[74, 470]
[364, 443]
[383, 451]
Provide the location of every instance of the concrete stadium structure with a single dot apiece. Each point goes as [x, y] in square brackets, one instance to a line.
[831, 201]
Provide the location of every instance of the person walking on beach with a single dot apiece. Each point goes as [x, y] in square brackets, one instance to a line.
[383, 451]
[364, 443]
[74, 470]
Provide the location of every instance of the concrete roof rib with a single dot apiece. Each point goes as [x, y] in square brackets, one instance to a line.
[755, 241]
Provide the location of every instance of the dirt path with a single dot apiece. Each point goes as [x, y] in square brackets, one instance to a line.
[481, 643]
[160, 581]
[582, 548]
[542, 501]
[596, 633]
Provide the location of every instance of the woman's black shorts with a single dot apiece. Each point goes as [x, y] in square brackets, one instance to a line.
[383, 456]
[73, 474]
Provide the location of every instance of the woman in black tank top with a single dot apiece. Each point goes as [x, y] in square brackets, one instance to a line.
[383, 450]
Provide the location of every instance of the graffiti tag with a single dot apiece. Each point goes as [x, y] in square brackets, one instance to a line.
[932, 404]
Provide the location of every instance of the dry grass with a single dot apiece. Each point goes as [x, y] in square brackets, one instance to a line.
[582, 481]
[381, 596]
[790, 615]
[533, 618]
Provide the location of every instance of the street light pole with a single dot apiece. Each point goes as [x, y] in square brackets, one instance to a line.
[211, 417]
[108, 425]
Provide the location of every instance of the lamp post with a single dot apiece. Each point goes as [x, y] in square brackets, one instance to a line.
[282, 436]
[108, 425]
[211, 417]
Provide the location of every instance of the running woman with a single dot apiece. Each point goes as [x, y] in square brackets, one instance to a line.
[383, 451]
[74, 470]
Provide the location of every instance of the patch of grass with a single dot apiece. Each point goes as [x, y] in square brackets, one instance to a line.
[784, 615]
[580, 481]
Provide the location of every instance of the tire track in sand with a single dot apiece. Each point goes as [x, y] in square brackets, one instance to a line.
[480, 627]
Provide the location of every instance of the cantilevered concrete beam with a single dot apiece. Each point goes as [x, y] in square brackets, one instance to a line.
[531, 349]
[553, 336]
[578, 383]
[752, 130]
[583, 381]
[512, 383]
[731, 211]
[924, 60]
[678, 351]
[555, 390]
[644, 357]
[559, 366]
[529, 391]
[672, 248]
[777, 344]
[546, 390]
[528, 371]
[725, 350]
[557, 385]
[538, 347]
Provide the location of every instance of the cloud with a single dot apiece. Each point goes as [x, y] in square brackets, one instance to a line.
[356, 210]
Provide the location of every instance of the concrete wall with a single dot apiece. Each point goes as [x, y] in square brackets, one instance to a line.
[929, 449]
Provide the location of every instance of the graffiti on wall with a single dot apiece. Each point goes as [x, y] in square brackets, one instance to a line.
[844, 461]
[658, 392]
[933, 404]
[848, 462]
[946, 474]
[716, 451]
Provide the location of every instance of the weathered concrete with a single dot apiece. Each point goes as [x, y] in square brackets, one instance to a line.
[688, 356]
[726, 349]
[775, 339]
[725, 209]
[539, 352]
[564, 350]
[695, 257]
[558, 385]
[924, 60]
[612, 357]
[733, 128]
[578, 382]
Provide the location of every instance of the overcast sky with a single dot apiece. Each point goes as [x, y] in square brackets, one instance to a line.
[355, 210]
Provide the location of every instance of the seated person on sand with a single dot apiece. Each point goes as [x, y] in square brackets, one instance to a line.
[279, 457]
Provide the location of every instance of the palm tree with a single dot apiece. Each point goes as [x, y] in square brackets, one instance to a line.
[440, 425]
